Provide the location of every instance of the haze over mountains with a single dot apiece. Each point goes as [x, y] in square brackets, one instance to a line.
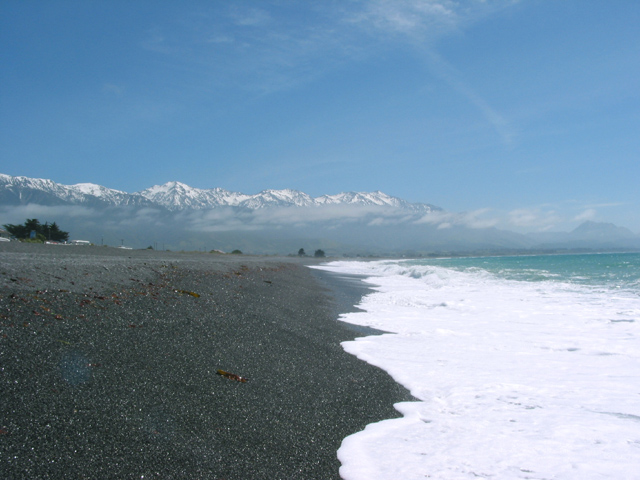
[177, 216]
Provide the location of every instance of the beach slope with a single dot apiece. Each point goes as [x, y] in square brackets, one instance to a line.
[109, 360]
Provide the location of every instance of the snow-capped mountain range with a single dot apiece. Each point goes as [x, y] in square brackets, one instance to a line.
[349, 222]
[176, 196]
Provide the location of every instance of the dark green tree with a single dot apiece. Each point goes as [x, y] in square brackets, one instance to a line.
[319, 254]
[54, 233]
[301, 252]
[33, 225]
[43, 232]
[15, 230]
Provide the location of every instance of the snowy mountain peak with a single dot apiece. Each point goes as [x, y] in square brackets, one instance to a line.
[278, 198]
[24, 190]
[169, 188]
[93, 189]
[376, 198]
[179, 196]
[26, 182]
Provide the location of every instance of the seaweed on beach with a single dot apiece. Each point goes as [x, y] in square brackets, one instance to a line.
[187, 292]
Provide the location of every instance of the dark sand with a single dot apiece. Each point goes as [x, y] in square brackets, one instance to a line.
[108, 366]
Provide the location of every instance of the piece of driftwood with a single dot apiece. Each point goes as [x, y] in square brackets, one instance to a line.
[232, 376]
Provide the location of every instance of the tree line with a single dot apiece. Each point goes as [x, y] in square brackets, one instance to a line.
[33, 229]
[318, 253]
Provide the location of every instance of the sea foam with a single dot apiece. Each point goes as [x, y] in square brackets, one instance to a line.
[513, 379]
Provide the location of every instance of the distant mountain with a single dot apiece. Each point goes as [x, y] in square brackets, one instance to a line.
[589, 234]
[178, 196]
[602, 232]
[175, 196]
[374, 198]
[177, 216]
[23, 191]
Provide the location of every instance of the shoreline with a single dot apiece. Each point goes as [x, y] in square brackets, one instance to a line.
[346, 292]
[109, 361]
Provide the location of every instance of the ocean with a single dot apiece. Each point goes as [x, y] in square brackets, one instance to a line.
[522, 367]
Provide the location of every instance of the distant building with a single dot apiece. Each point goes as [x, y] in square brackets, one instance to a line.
[4, 233]
[80, 242]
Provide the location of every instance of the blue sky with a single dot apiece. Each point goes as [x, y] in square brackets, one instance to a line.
[526, 114]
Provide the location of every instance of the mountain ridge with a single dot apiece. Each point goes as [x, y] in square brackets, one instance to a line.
[179, 196]
[275, 221]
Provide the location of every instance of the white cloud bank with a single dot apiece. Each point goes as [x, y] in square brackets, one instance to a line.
[382, 228]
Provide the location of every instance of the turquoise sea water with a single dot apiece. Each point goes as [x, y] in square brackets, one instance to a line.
[613, 270]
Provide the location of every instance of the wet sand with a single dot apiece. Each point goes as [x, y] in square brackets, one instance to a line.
[108, 362]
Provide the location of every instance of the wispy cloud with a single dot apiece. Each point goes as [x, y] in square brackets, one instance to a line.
[271, 50]
[539, 218]
[534, 218]
[250, 17]
[605, 205]
[588, 214]
[417, 19]
[17, 214]
[421, 23]
[561, 216]
[424, 20]
[480, 218]
[242, 46]
[228, 219]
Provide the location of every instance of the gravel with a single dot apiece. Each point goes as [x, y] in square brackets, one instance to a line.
[109, 360]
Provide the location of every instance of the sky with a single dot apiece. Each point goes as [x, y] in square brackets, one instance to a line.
[522, 113]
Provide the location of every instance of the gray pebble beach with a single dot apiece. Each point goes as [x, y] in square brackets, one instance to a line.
[109, 360]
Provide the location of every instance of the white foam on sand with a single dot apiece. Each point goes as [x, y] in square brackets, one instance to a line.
[534, 380]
